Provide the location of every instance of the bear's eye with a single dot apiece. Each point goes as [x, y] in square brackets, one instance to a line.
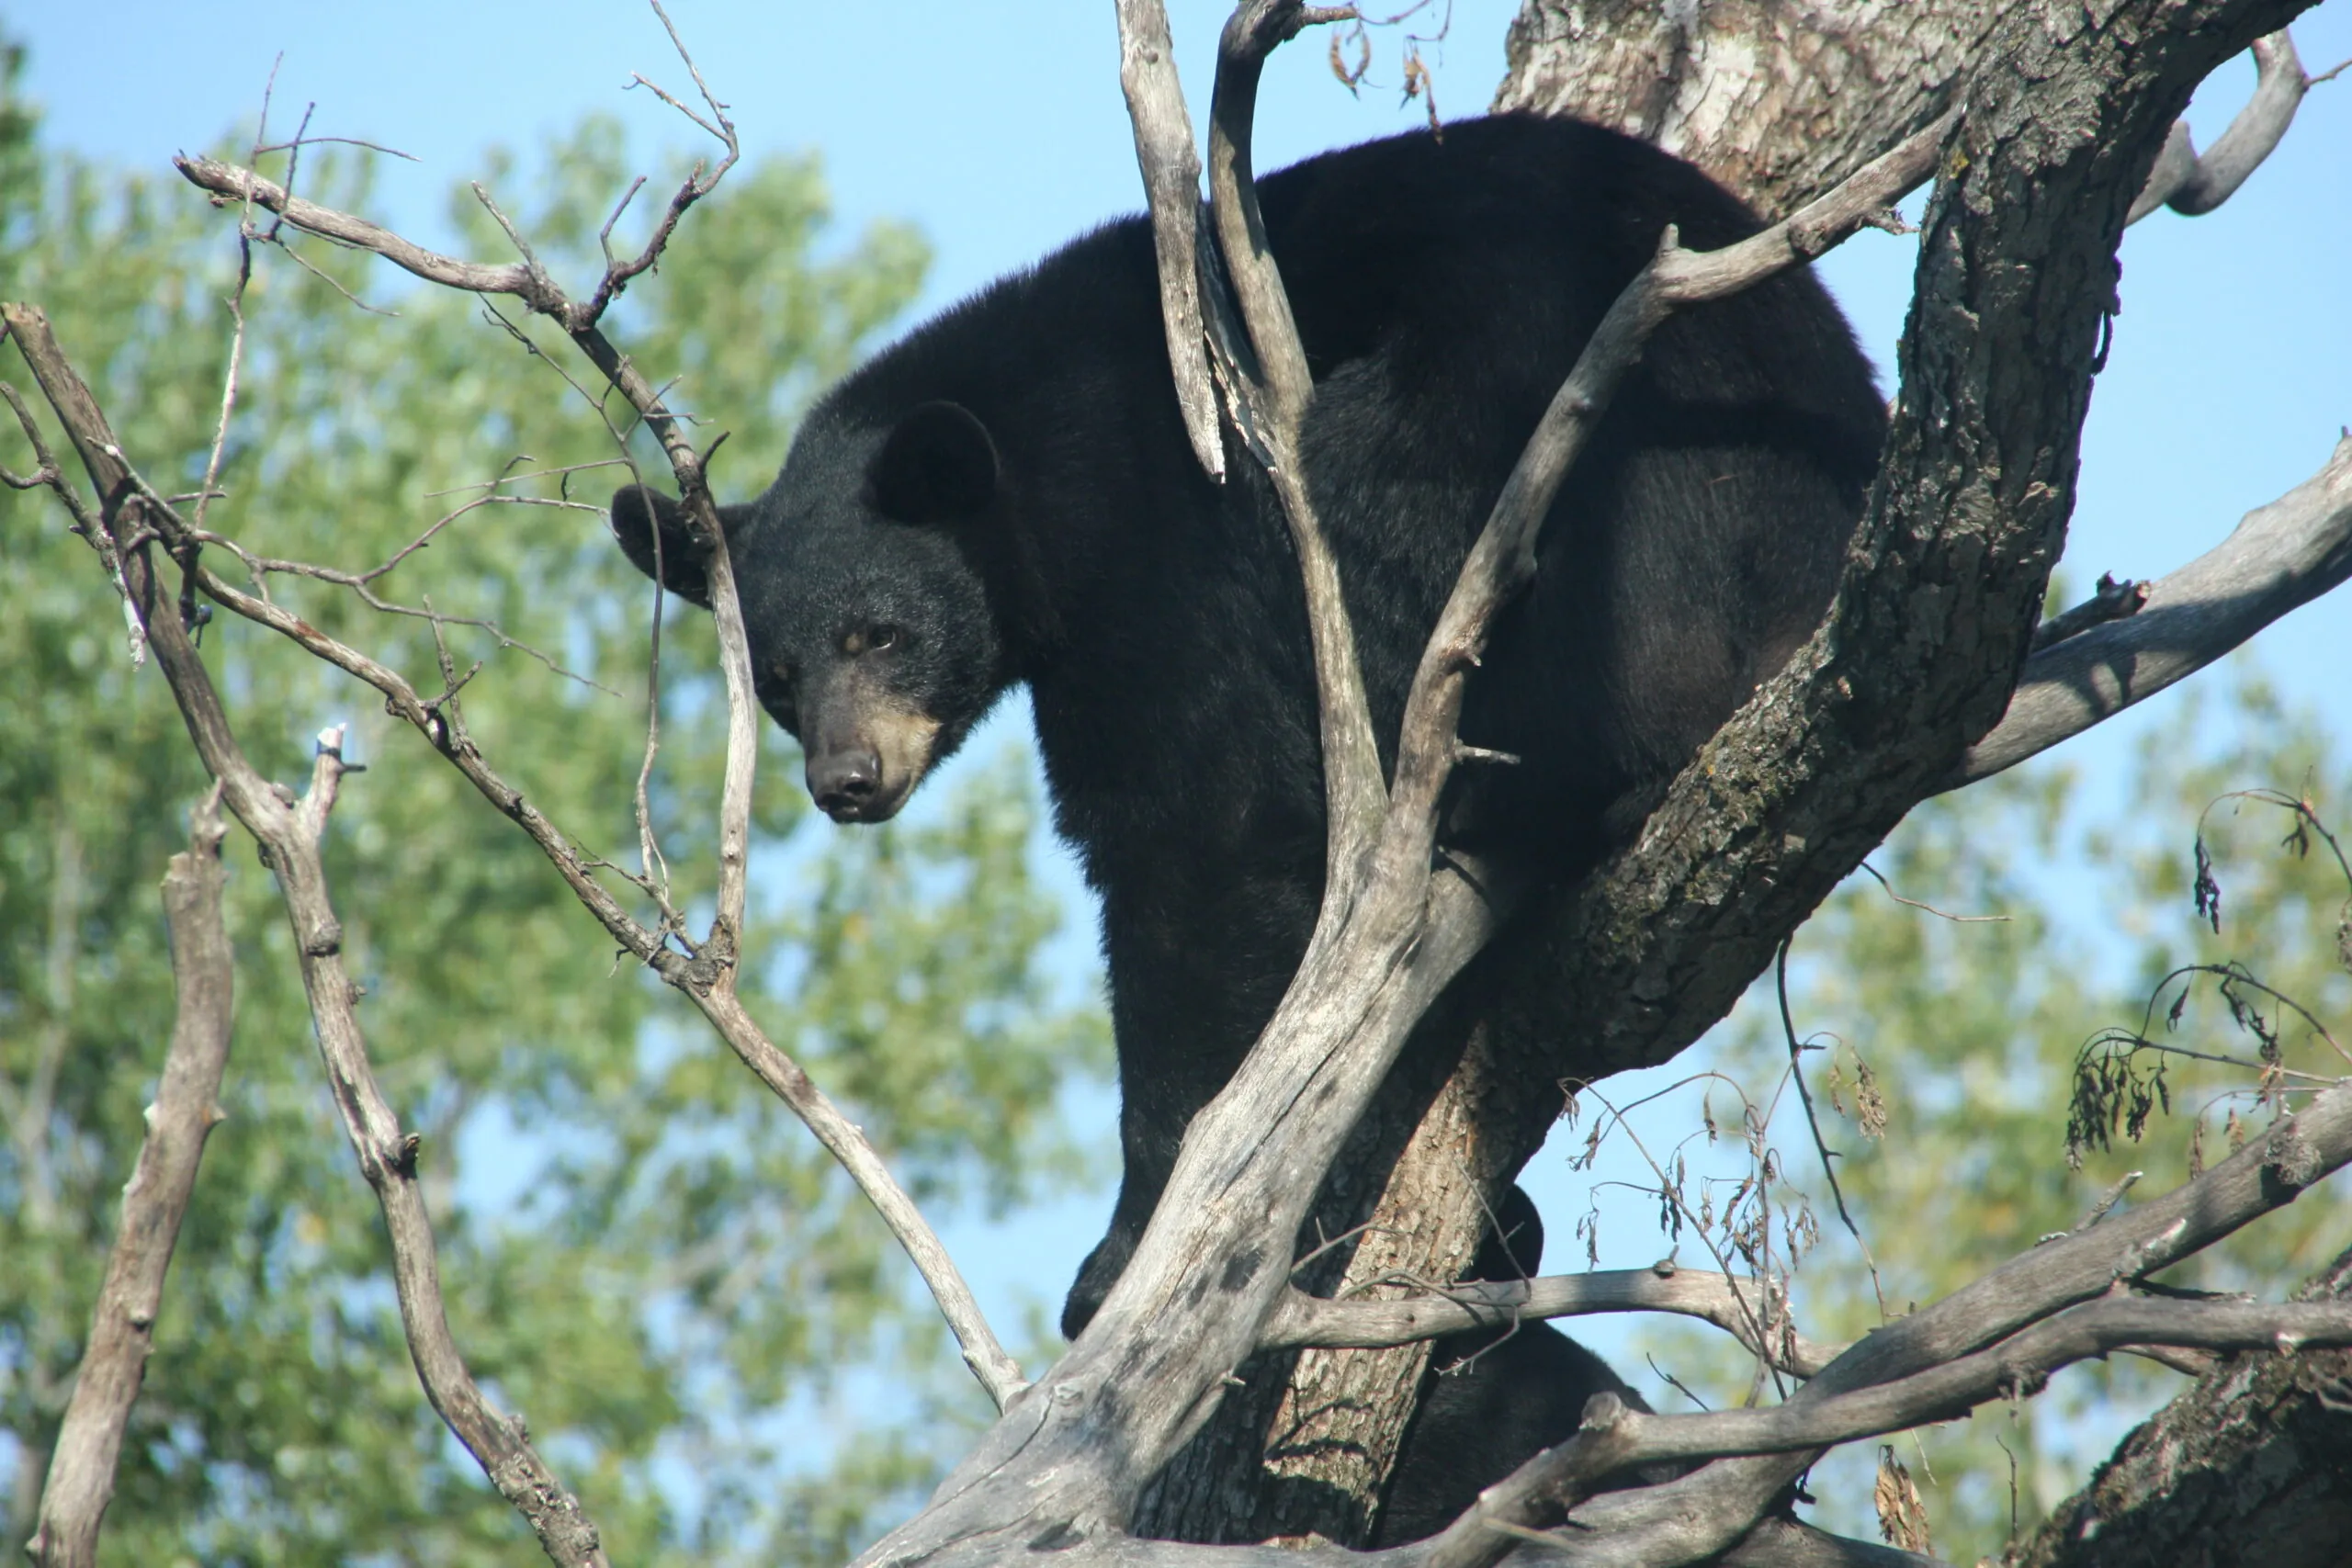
[869, 639]
[779, 671]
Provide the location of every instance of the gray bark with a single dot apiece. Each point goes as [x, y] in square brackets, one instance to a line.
[82, 1463]
[1778, 100]
[2253, 1465]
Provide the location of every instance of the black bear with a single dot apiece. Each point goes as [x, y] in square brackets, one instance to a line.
[1007, 496]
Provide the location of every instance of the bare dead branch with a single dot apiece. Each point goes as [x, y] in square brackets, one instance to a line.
[2014, 1368]
[1615, 1438]
[47, 475]
[1676, 1521]
[1273, 385]
[122, 1329]
[1171, 179]
[290, 833]
[710, 977]
[2192, 186]
[1299, 1319]
[2279, 556]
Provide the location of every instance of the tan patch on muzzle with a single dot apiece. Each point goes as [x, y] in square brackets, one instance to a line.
[903, 739]
[879, 722]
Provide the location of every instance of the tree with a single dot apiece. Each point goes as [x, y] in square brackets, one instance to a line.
[679, 1259]
[2042, 126]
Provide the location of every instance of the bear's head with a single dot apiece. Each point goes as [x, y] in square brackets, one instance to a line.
[872, 635]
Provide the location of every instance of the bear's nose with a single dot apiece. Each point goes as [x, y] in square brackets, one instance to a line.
[842, 783]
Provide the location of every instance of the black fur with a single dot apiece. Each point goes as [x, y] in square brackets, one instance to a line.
[1060, 533]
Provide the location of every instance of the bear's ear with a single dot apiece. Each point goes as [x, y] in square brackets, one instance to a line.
[938, 466]
[641, 517]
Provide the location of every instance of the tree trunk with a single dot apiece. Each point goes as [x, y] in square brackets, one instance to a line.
[1775, 98]
[1778, 100]
[2252, 1465]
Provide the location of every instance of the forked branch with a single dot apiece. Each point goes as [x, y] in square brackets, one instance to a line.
[709, 978]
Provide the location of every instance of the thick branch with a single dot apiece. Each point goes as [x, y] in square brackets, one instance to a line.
[290, 835]
[1274, 388]
[2192, 186]
[1689, 1518]
[2279, 556]
[2248, 1466]
[122, 1330]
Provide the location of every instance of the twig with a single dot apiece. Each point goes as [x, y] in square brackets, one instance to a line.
[122, 1329]
[699, 183]
[205, 491]
[1813, 1123]
[1888, 887]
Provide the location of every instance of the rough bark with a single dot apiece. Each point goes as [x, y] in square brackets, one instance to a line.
[1775, 98]
[2253, 1465]
[1778, 100]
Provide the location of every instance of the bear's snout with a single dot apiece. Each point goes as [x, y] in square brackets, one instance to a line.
[844, 783]
[866, 752]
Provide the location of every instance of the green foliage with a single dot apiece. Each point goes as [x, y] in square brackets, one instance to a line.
[1973, 1031]
[645, 1255]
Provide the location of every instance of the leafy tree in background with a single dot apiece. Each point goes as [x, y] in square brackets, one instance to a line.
[644, 1256]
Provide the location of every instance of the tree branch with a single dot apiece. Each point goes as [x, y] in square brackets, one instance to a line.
[709, 977]
[1300, 1319]
[2192, 186]
[122, 1329]
[2277, 558]
[1274, 388]
[1172, 181]
[289, 833]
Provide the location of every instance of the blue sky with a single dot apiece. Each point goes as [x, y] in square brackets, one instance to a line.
[999, 130]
